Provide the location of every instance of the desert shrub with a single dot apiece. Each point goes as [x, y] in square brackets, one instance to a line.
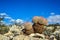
[3, 29]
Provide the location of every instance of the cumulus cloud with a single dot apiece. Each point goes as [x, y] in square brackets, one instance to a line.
[10, 19]
[2, 22]
[54, 19]
[19, 21]
[3, 14]
[6, 16]
[52, 13]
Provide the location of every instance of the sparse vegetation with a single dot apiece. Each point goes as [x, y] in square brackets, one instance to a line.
[27, 31]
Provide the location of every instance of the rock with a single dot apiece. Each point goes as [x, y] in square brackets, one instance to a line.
[2, 37]
[32, 38]
[20, 37]
[9, 34]
[52, 37]
[37, 36]
[46, 37]
[27, 38]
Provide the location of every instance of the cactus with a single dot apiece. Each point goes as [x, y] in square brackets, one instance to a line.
[28, 28]
[43, 21]
[40, 20]
[28, 25]
[38, 24]
[35, 19]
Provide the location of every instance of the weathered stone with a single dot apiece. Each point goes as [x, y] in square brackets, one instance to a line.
[20, 37]
[2, 37]
[27, 38]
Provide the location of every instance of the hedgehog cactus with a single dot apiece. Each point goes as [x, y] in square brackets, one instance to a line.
[38, 24]
[40, 20]
[38, 28]
[35, 19]
[28, 28]
[43, 21]
[28, 25]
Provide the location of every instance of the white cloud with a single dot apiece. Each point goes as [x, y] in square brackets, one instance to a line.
[2, 22]
[52, 13]
[3, 14]
[19, 21]
[10, 19]
[54, 19]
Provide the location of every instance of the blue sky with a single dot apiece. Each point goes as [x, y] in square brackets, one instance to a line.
[26, 9]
